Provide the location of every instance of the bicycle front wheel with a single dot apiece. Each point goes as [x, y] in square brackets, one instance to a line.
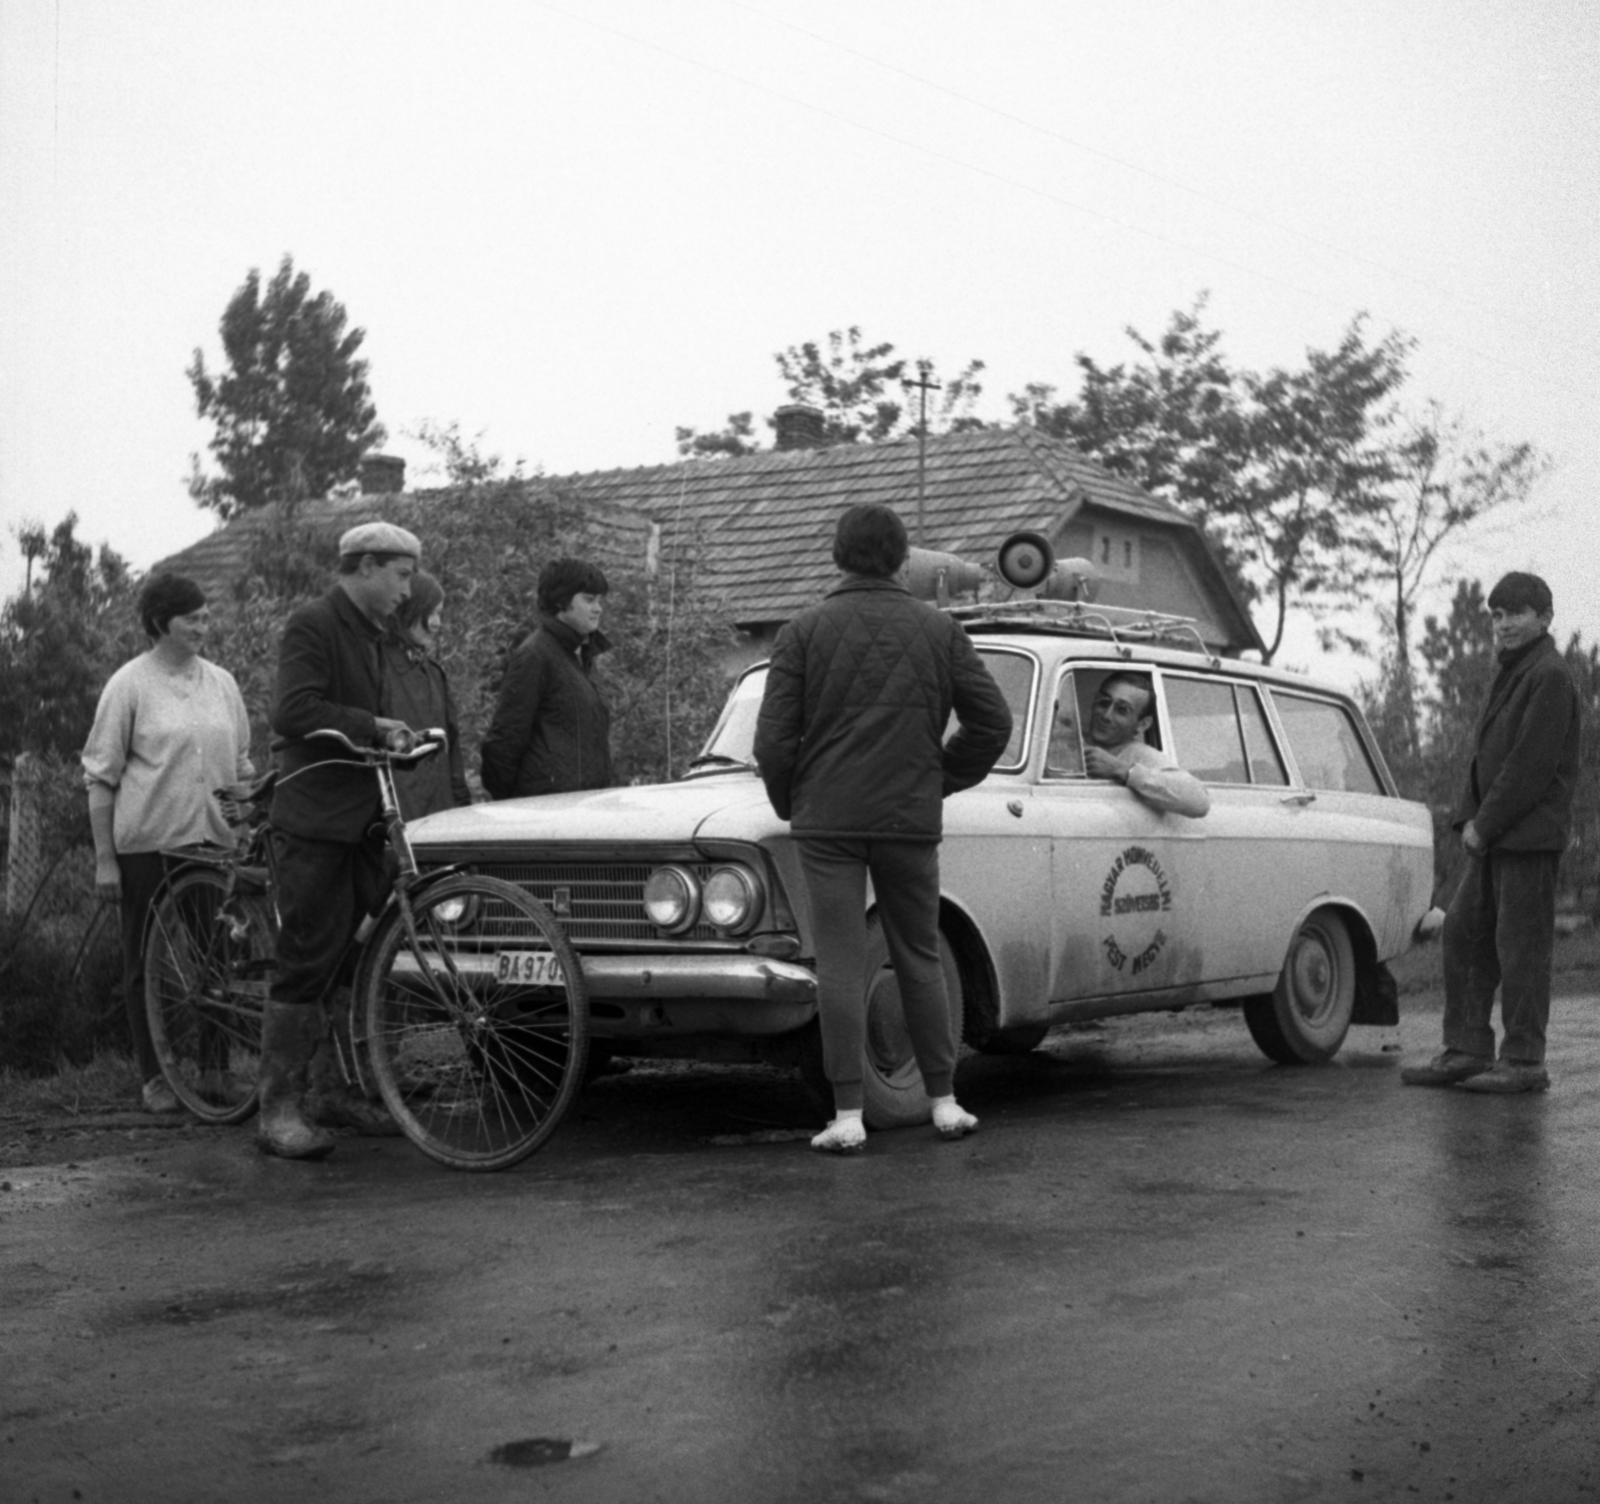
[207, 969]
[477, 1021]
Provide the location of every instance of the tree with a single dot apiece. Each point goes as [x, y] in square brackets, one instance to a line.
[293, 412]
[861, 391]
[462, 460]
[1442, 478]
[1275, 467]
[60, 638]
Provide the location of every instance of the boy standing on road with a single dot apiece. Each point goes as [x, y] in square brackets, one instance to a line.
[1515, 817]
[329, 678]
[850, 747]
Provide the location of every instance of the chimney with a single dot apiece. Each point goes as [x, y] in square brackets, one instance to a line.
[799, 426]
[382, 475]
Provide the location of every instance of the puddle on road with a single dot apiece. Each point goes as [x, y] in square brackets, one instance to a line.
[537, 1451]
[300, 1292]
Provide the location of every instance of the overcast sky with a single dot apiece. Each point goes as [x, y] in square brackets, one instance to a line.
[577, 225]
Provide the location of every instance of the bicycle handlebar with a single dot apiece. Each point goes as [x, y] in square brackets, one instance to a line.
[426, 744]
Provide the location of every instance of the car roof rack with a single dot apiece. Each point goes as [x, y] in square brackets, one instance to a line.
[1120, 625]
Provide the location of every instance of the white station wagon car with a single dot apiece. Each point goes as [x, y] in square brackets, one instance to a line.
[1064, 897]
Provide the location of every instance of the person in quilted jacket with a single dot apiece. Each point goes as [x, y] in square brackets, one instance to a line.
[850, 744]
[1515, 818]
[551, 731]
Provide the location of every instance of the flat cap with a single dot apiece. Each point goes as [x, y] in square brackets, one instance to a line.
[380, 538]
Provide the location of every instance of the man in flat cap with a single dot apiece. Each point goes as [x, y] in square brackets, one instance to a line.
[1515, 817]
[328, 870]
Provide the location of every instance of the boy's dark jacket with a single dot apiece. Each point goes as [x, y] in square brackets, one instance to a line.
[1525, 766]
[329, 677]
[860, 690]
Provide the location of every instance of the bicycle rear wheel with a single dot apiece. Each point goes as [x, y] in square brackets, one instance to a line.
[208, 966]
[477, 1030]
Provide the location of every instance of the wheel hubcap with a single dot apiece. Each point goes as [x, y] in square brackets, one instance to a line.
[1314, 976]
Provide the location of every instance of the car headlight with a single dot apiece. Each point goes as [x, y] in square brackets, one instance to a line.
[672, 899]
[733, 899]
[456, 913]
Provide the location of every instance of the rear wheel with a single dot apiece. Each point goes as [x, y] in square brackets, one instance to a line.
[1305, 1018]
[208, 967]
[478, 1028]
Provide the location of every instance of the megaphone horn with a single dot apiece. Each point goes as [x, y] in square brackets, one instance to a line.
[1025, 560]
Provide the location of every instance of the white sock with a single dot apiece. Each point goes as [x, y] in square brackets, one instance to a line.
[843, 1135]
[951, 1119]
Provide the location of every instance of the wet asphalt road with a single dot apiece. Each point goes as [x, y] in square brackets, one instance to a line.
[1164, 1270]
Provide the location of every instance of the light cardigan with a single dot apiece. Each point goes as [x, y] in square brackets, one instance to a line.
[161, 742]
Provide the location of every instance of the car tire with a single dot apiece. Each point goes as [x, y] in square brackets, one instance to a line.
[1022, 1039]
[894, 1094]
[1305, 1018]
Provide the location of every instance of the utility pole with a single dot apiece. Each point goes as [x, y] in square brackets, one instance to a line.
[922, 381]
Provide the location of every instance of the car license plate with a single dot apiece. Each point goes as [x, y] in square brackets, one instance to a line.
[528, 968]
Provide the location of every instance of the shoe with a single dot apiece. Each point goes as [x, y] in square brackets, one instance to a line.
[1446, 1068]
[1511, 1076]
[846, 1134]
[952, 1120]
[157, 1096]
[289, 1036]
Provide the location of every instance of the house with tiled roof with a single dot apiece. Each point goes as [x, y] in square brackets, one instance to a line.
[762, 524]
[765, 521]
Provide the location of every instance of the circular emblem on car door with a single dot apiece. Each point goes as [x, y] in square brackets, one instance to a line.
[1134, 900]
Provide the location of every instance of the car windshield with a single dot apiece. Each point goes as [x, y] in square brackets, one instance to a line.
[732, 741]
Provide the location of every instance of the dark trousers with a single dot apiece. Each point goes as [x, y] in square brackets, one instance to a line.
[324, 887]
[905, 880]
[1499, 933]
[143, 872]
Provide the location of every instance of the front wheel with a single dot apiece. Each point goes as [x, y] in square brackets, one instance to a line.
[207, 970]
[894, 1093]
[477, 1021]
[1305, 1018]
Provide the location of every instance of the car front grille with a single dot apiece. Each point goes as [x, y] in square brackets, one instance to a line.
[598, 902]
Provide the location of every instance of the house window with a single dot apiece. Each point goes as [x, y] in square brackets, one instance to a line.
[1116, 554]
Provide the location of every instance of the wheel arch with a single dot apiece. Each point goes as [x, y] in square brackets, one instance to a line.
[1377, 997]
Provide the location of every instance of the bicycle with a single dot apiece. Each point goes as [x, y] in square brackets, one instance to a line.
[468, 1006]
[210, 942]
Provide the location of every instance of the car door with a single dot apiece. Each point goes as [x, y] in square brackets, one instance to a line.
[1259, 868]
[1127, 895]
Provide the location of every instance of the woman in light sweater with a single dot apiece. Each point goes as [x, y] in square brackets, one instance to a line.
[170, 729]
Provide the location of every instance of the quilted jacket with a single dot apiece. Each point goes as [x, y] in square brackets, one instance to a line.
[860, 690]
[1525, 768]
[551, 731]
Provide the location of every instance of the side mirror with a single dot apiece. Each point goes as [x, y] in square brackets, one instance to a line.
[1027, 562]
[934, 576]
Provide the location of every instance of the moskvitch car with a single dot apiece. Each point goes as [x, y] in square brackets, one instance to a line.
[1065, 898]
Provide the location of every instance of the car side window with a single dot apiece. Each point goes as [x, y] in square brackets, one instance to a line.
[1326, 744]
[1064, 758]
[1266, 762]
[1015, 674]
[1206, 738]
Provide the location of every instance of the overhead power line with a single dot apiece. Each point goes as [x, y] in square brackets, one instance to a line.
[977, 169]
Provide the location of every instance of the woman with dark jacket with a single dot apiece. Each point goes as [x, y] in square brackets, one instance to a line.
[552, 727]
[416, 691]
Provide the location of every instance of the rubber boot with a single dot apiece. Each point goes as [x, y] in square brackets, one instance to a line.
[333, 1102]
[289, 1034]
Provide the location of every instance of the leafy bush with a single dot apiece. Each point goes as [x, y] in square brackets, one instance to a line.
[60, 977]
[486, 545]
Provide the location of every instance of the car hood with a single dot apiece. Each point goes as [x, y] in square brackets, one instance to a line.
[729, 806]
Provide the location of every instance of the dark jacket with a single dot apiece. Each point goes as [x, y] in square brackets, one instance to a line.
[329, 677]
[1525, 767]
[552, 728]
[850, 739]
[416, 691]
